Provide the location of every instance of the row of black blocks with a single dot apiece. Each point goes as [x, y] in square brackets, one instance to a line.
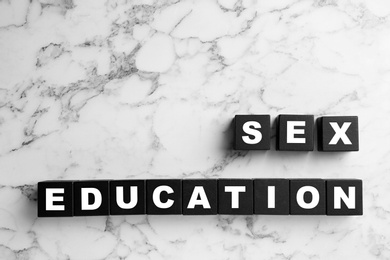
[200, 197]
[296, 133]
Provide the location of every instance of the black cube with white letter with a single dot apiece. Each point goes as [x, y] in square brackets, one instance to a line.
[127, 197]
[271, 196]
[200, 197]
[338, 133]
[344, 197]
[91, 198]
[163, 197]
[235, 196]
[55, 199]
[252, 132]
[307, 197]
[295, 133]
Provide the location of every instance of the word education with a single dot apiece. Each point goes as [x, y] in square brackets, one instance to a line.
[330, 197]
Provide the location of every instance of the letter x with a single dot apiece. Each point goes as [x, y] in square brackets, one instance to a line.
[340, 133]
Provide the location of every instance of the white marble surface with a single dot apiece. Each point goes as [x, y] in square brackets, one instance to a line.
[93, 89]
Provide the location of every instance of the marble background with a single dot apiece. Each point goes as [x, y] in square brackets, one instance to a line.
[93, 89]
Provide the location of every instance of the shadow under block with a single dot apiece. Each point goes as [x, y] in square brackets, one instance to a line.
[200, 197]
[252, 132]
[127, 197]
[295, 133]
[307, 197]
[55, 199]
[164, 197]
[91, 198]
[344, 197]
[271, 196]
[338, 133]
[235, 196]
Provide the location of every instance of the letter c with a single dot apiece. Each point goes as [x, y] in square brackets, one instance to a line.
[156, 197]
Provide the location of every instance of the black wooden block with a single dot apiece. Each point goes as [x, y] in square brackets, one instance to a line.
[252, 132]
[271, 196]
[163, 197]
[295, 133]
[200, 197]
[338, 133]
[91, 198]
[307, 197]
[127, 197]
[344, 197]
[235, 196]
[55, 199]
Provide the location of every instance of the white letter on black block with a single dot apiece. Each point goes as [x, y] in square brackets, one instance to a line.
[291, 132]
[248, 129]
[339, 195]
[202, 201]
[235, 190]
[315, 197]
[156, 197]
[50, 198]
[85, 205]
[340, 133]
[133, 197]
